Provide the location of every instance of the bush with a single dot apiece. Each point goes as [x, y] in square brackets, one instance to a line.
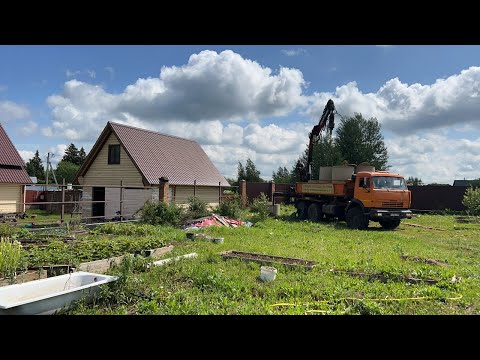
[230, 207]
[126, 229]
[260, 206]
[11, 257]
[197, 208]
[7, 231]
[159, 213]
[471, 200]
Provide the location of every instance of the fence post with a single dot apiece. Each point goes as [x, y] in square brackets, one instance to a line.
[194, 188]
[219, 192]
[272, 195]
[63, 201]
[121, 200]
[243, 192]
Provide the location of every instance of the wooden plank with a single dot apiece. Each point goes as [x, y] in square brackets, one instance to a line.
[268, 259]
[101, 266]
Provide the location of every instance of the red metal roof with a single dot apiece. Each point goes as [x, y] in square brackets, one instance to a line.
[157, 155]
[12, 167]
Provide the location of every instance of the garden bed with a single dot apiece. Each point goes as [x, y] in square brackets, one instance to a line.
[268, 259]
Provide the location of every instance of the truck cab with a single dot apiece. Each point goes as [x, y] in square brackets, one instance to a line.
[382, 196]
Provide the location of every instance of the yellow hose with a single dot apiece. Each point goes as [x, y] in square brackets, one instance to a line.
[458, 297]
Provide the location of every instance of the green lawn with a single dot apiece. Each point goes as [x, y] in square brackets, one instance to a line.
[211, 285]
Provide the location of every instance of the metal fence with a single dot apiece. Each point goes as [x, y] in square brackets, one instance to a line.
[427, 197]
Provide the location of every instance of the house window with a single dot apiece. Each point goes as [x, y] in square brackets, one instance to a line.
[114, 154]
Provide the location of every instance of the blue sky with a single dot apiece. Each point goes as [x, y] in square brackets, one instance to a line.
[249, 101]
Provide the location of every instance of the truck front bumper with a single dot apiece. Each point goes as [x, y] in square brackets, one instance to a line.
[379, 214]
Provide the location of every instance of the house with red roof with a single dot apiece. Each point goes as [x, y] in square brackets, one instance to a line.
[128, 166]
[13, 176]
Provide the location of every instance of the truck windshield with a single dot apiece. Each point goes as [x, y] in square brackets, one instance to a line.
[389, 182]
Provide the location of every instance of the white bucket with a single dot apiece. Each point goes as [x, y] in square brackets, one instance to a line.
[268, 273]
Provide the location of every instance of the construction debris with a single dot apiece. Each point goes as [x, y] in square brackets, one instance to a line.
[214, 220]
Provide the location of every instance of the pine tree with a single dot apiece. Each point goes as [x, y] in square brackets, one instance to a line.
[35, 167]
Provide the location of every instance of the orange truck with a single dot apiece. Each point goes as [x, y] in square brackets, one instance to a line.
[357, 194]
[367, 195]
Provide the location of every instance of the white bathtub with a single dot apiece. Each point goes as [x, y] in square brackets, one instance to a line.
[47, 296]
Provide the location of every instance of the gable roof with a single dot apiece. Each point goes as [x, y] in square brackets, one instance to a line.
[157, 155]
[12, 167]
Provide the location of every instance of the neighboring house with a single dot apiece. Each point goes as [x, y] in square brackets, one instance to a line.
[138, 158]
[13, 176]
[464, 182]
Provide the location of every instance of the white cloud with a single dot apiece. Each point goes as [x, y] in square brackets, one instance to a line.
[74, 73]
[12, 111]
[70, 73]
[26, 154]
[404, 108]
[294, 52]
[209, 87]
[30, 128]
[91, 73]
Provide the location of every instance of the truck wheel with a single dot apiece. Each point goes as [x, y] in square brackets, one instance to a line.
[390, 224]
[356, 219]
[302, 210]
[315, 212]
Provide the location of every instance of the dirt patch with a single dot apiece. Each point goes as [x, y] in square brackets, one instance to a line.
[268, 259]
[423, 260]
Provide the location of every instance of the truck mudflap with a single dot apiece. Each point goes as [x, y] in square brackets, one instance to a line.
[389, 214]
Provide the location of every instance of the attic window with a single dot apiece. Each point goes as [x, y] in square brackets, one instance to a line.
[114, 154]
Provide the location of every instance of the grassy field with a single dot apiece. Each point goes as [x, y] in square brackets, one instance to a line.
[411, 270]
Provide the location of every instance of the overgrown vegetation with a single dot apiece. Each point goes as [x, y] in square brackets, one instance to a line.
[125, 238]
[12, 257]
[471, 200]
[196, 208]
[260, 206]
[357, 272]
[159, 213]
[231, 207]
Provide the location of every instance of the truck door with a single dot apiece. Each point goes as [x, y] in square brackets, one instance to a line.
[363, 190]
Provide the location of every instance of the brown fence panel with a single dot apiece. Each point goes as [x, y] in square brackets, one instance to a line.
[437, 197]
[254, 189]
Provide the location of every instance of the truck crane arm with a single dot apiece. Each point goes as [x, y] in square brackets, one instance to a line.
[328, 114]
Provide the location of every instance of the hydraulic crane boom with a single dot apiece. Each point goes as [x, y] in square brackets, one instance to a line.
[328, 114]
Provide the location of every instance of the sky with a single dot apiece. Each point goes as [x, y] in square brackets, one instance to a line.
[258, 102]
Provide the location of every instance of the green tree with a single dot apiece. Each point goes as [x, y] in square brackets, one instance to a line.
[414, 181]
[241, 172]
[360, 140]
[81, 156]
[471, 200]
[325, 153]
[253, 175]
[35, 167]
[71, 155]
[67, 170]
[248, 172]
[282, 176]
